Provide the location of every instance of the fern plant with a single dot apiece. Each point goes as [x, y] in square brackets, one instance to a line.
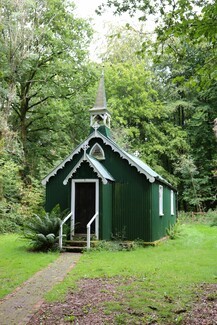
[43, 231]
[174, 231]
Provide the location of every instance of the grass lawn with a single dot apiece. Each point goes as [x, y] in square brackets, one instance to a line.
[17, 264]
[162, 279]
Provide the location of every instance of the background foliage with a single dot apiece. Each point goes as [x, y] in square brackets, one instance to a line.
[182, 58]
[161, 91]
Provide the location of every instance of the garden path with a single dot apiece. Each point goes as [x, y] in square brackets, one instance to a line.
[18, 307]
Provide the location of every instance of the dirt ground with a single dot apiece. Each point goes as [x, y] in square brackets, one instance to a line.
[86, 306]
[204, 309]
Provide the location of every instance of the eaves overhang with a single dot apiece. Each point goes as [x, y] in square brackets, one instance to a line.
[67, 159]
[141, 167]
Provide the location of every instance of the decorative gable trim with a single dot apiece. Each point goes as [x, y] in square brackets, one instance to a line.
[124, 155]
[69, 158]
[101, 172]
[133, 161]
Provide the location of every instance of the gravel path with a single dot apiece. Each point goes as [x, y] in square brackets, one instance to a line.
[18, 307]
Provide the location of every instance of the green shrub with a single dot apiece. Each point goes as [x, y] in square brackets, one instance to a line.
[212, 217]
[10, 220]
[43, 232]
[174, 231]
[114, 246]
[214, 222]
[119, 235]
[206, 218]
[185, 217]
[18, 200]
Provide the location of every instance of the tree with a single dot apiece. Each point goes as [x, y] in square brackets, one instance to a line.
[194, 109]
[157, 97]
[194, 19]
[191, 184]
[46, 86]
[140, 118]
[43, 57]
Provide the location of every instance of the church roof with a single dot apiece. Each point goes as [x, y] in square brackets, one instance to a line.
[144, 166]
[141, 167]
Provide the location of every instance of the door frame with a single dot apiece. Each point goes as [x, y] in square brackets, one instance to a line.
[73, 217]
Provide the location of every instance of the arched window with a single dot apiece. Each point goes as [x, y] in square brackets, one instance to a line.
[97, 152]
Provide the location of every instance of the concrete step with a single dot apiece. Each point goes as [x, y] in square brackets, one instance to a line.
[77, 245]
[80, 243]
[83, 237]
[73, 249]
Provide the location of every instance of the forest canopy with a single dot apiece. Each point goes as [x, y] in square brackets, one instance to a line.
[162, 92]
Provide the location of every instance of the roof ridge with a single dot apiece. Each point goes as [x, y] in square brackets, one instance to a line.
[136, 162]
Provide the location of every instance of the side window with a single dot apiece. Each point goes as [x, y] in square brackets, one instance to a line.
[97, 152]
[172, 202]
[161, 213]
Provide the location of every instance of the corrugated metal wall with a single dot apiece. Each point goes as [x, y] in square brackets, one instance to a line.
[129, 204]
[159, 223]
[130, 197]
[56, 191]
[105, 211]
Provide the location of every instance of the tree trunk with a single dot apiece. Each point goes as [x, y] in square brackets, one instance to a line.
[23, 133]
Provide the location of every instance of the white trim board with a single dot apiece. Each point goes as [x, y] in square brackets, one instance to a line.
[95, 165]
[141, 167]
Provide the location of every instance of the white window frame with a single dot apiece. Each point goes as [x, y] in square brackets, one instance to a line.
[161, 213]
[172, 203]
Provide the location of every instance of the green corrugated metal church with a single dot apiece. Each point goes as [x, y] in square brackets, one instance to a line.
[101, 179]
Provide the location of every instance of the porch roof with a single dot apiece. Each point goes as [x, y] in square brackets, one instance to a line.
[100, 170]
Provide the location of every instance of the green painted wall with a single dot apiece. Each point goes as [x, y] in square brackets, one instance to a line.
[129, 204]
[105, 211]
[56, 191]
[159, 223]
[130, 197]
[85, 171]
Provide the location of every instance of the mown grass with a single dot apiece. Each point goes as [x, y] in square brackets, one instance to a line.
[17, 264]
[162, 279]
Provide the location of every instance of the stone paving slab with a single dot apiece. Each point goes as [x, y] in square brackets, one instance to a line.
[18, 307]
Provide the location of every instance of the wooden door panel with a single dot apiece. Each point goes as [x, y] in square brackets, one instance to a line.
[84, 205]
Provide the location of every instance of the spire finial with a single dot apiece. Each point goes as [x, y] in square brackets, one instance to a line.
[101, 96]
[99, 112]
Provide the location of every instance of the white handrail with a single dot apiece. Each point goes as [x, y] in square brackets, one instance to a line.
[95, 217]
[61, 230]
